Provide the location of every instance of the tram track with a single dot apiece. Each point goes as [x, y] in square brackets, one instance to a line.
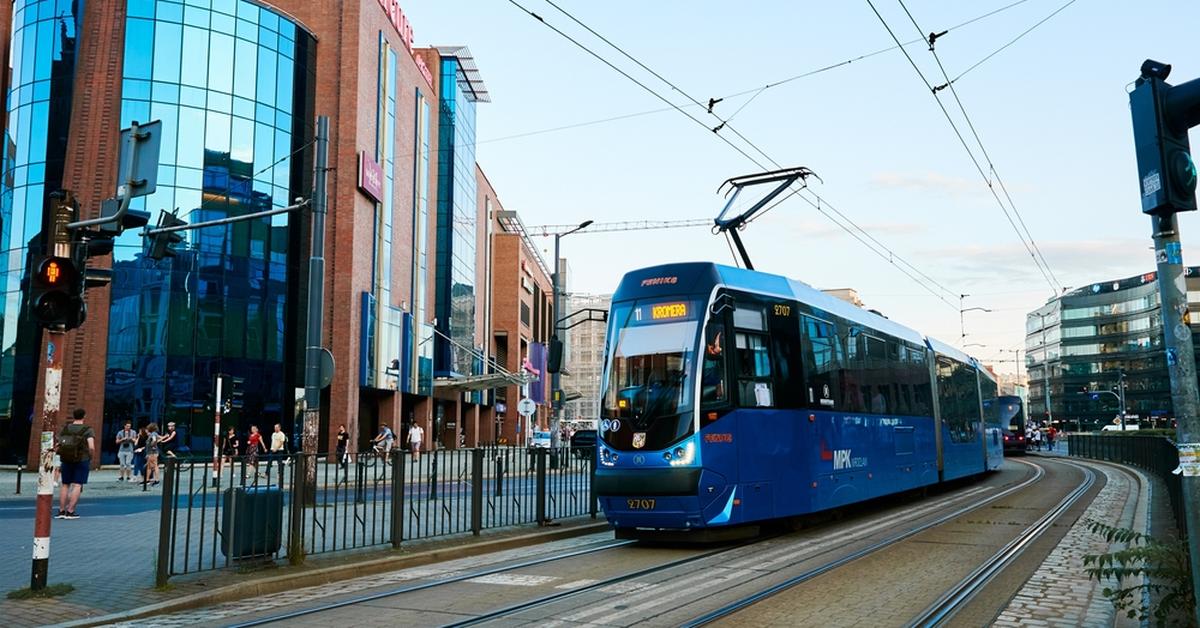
[745, 568]
[962, 593]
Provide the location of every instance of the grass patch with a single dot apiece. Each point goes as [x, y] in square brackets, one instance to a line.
[53, 590]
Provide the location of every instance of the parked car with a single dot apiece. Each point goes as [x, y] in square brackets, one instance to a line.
[1129, 427]
[583, 443]
[540, 439]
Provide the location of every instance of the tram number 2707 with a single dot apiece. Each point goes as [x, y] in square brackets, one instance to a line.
[640, 504]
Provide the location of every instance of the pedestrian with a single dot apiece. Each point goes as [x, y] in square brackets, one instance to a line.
[230, 445]
[1037, 438]
[1051, 433]
[76, 447]
[169, 441]
[139, 454]
[152, 451]
[384, 440]
[125, 439]
[416, 438]
[278, 448]
[343, 452]
[254, 446]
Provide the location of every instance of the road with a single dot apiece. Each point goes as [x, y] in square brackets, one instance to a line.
[876, 566]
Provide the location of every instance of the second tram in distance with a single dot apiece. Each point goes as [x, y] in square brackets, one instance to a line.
[732, 396]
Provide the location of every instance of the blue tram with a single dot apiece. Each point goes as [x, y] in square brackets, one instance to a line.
[732, 396]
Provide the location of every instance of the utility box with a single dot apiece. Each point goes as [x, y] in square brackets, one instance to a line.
[252, 521]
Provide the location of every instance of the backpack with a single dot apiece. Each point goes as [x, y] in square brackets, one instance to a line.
[72, 444]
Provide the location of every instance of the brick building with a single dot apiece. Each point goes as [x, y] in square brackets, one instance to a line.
[238, 85]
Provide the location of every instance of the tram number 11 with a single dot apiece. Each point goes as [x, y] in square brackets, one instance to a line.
[641, 504]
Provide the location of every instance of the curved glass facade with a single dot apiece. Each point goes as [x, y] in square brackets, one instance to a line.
[232, 83]
[35, 144]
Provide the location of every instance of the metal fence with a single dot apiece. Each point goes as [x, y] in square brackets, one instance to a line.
[251, 511]
[1156, 454]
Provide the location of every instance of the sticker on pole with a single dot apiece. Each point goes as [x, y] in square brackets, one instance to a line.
[1189, 460]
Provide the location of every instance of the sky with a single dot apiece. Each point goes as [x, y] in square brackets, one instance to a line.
[1051, 110]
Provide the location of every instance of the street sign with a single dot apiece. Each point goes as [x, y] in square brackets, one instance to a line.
[137, 172]
[526, 407]
[326, 364]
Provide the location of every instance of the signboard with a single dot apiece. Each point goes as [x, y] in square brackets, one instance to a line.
[526, 407]
[370, 177]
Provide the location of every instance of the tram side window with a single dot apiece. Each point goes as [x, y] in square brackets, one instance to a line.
[958, 399]
[821, 363]
[788, 389]
[877, 377]
[850, 374]
[922, 397]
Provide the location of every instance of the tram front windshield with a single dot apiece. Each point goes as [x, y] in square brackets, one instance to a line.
[648, 394]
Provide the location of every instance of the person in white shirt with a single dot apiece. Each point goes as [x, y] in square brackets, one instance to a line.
[416, 437]
[278, 446]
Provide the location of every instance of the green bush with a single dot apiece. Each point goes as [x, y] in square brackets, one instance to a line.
[1159, 568]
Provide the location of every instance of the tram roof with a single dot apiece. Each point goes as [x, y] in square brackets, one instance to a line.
[701, 273]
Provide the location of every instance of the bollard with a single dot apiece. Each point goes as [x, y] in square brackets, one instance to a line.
[20, 469]
[397, 462]
[165, 518]
[360, 481]
[499, 475]
[540, 457]
[476, 491]
[433, 470]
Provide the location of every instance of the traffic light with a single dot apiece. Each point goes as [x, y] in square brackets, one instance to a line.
[161, 243]
[554, 357]
[54, 299]
[237, 390]
[119, 222]
[90, 244]
[1162, 115]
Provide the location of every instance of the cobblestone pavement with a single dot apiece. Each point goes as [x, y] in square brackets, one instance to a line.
[1060, 594]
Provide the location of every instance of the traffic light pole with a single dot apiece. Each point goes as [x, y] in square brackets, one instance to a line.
[316, 300]
[52, 396]
[1181, 365]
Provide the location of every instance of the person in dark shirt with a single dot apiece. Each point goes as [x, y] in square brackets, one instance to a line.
[343, 452]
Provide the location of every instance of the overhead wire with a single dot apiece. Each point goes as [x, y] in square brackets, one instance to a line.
[819, 204]
[1044, 270]
[970, 124]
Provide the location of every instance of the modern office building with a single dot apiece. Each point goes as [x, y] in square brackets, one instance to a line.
[238, 85]
[1079, 345]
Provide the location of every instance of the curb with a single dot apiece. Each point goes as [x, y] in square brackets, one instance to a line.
[327, 575]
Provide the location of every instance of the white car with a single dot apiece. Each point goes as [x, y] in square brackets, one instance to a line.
[1129, 427]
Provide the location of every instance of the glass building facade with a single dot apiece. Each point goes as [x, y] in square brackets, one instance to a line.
[456, 222]
[1085, 340]
[232, 82]
[44, 43]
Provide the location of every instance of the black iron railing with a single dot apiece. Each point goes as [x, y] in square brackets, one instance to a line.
[1156, 454]
[262, 510]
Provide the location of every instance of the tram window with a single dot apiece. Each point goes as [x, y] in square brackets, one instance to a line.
[821, 363]
[713, 391]
[851, 370]
[786, 355]
[876, 377]
[922, 397]
[754, 370]
[958, 399]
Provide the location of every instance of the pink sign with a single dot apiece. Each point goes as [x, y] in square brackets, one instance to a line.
[370, 177]
[399, 21]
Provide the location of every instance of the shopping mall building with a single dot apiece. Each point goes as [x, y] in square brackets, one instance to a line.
[238, 84]
[1086, 339]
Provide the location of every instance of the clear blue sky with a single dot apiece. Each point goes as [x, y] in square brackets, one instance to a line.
[1051, 110]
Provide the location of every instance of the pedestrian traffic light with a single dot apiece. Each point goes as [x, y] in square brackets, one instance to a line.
[119, 221]
[554, 357]
[54, 299]
[161, 243]
[90, 244]
[1162, 115]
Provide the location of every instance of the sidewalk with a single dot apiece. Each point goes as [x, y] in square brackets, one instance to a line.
[112, 578]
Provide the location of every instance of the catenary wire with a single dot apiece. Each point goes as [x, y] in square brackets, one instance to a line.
[966, 147]
[991, 165]
[1012, 41]
[819, 204]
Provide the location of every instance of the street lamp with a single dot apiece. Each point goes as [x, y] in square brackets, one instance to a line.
[962, 330]
[556, 376]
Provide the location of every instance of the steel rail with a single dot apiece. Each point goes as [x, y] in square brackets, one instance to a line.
[749, 600]
[425, 585]
[960, 594]
[554, 597]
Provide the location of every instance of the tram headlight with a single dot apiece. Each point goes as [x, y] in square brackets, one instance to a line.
[607, 458]
[682, 455]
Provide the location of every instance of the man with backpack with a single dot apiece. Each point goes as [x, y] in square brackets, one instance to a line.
[76, 446]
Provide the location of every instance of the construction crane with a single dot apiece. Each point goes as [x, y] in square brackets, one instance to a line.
[631, 225]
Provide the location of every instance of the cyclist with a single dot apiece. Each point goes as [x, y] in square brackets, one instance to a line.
[383, 442]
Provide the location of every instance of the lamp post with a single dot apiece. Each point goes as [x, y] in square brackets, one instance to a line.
[556, 376]
[962, 329]
[1046, 372]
